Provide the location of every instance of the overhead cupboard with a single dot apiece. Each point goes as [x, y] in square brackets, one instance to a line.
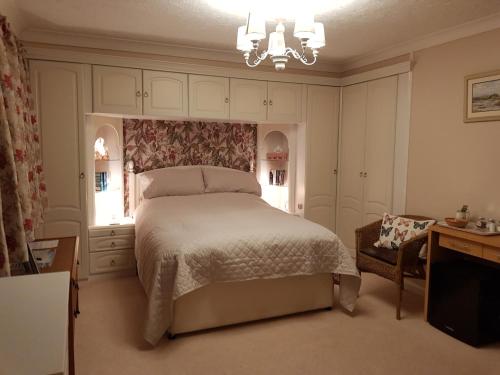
[132, 91]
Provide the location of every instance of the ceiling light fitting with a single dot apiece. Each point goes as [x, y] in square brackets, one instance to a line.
[311, 35]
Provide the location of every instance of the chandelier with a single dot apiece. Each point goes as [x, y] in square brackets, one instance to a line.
[310, 34]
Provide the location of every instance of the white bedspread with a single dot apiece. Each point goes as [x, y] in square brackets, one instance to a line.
[186, 242]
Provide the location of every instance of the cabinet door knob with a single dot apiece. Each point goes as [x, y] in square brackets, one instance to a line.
[146, 94]
[365, 174]
[265, 102]
[113, 244]
[113, 233]
[82, 176]
[227, 100]
[360, 174]
[112, 263]
[138, 93]
[335, 171]
[270, 102]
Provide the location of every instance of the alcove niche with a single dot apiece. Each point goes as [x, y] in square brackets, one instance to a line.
[106, 170]
[276, 169]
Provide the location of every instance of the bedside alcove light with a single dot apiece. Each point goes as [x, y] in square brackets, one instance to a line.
[100, 150]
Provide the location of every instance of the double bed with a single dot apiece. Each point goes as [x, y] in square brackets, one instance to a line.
[210, 252]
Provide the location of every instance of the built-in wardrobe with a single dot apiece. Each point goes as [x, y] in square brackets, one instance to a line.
[67, 94]
[62, 97]
[372, 136]
[347, 140]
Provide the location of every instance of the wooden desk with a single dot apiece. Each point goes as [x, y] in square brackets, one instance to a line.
[66, 259]
[446, 243]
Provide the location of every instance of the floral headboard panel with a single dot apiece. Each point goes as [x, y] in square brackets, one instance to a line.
[152, 144]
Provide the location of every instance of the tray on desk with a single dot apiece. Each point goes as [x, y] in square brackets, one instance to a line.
[470, 228]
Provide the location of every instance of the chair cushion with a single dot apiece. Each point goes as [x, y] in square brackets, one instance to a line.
[397, 229]
[381, 253]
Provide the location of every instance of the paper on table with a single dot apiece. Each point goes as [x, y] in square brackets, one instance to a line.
[44, 258]
[50, 244]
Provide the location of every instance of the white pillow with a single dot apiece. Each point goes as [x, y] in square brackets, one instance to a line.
[219, 179]
[171, 181]
[396, 229]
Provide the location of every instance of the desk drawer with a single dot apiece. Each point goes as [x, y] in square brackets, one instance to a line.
[111, 232]
[459, 244]
[110, 261]
[111, 243]
[492, 254]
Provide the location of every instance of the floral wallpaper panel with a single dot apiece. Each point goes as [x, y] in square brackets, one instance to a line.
[153, 144]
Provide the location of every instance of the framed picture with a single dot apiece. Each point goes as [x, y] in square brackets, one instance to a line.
[482, 97]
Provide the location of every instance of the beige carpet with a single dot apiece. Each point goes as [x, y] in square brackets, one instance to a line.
[108, 340]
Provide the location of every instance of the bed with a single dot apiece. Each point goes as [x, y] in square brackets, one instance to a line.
[217, 254]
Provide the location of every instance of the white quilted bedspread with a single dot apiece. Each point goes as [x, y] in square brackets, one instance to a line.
[186, 242]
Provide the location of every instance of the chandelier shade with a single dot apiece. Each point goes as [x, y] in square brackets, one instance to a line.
[318, 40]
[242, 42]
[256, 27]
[304, 26]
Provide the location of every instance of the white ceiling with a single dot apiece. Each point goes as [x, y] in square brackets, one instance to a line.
[357, 29]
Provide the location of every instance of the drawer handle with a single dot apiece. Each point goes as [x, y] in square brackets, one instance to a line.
[112, 263]
[113, 233]
[113, 244]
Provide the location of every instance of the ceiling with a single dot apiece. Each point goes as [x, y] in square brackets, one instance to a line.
[358, 28]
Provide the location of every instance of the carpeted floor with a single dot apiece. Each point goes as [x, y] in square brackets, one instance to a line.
[372, 341]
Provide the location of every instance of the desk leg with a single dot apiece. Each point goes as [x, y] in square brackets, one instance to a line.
[432, 247]
[71, 336]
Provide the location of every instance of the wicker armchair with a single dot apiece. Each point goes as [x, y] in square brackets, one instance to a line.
[391, 264]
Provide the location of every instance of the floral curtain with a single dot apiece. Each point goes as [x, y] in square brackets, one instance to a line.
[153, 144]
[22, 187]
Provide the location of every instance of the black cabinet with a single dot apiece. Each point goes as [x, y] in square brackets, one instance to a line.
[464, 301]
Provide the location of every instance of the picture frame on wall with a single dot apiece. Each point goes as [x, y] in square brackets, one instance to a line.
[482, 97]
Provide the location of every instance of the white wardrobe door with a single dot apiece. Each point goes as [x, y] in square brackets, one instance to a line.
[379, 146]
[352, 155]
[117, 90]
[248, 99]
[59, 92]
[322, 139]
[165, 93]
[208, 97]
[285, 102]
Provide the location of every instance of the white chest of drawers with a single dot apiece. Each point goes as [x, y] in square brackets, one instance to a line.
[34, 319]
[112, 248]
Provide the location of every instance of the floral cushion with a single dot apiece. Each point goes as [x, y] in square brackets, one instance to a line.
[396, 229]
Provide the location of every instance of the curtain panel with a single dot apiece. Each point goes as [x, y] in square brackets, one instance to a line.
[22, 187]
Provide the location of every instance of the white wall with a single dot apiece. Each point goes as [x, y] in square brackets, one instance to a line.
[15, 17]
[451, 162]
